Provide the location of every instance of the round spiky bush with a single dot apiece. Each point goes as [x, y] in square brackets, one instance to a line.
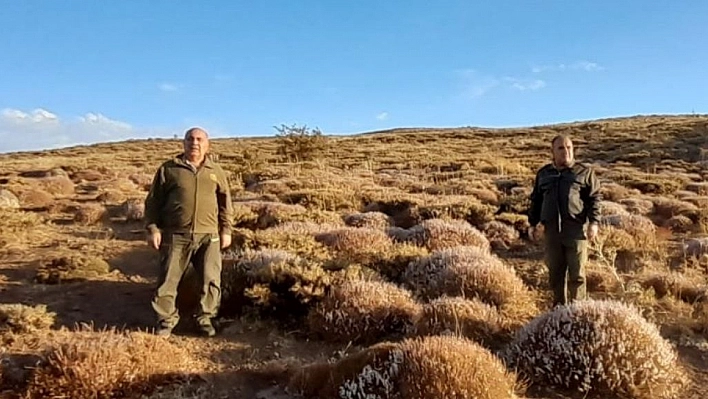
[473, 273]
[439, 234]
[427, 367]
[638, 206]
[472, 319]
[18, 318]
[374, 220]
[605, 347]
[500, 234]
[274, 280]
[356, 244]
[612, 208]
[363, 312]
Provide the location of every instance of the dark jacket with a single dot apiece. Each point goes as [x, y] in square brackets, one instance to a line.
[565, 199]
[184, 199]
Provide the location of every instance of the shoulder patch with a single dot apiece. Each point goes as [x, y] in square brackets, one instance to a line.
[213, 177]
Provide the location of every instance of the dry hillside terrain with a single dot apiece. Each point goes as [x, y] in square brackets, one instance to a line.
[391, 264]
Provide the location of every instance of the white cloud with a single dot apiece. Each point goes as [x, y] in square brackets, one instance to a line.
[526, 84]
[475, 85]
[576, 66]
[41, 129]
[382, 116]
[168, 87]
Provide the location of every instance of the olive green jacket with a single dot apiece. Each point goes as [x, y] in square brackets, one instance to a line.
[185, 199]
[565, 199]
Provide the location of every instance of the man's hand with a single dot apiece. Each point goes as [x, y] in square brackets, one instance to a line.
[534, 233]
[225, 240]
[593, 229]
[154, 239]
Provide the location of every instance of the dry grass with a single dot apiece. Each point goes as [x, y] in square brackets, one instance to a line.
[435, 234]
[108, 365]
[356, 244]
[598, 347]
[70, 268]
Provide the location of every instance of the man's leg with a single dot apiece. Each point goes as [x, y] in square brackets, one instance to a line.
[557, 268]
[174, 258]
[207, 263]
[576, 257]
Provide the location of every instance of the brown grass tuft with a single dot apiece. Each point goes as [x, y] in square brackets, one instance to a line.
[70, 268]
[435, 234]
[425, 367]
[22, 319]
[88, 214]
[470, 318]
[603, 347]
[107, 365]
[363, 312]
[472, 273]
[356, 244]
[57, 185]
[373, 220]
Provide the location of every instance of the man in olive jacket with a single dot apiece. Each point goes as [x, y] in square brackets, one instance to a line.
[188, 214]
[566, 201]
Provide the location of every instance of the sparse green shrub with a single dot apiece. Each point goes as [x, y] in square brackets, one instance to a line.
[603, 347]
[297, 143]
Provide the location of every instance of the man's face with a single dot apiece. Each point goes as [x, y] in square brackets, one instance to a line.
[563, 152]
[196, 144]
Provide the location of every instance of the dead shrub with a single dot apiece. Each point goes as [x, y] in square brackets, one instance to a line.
[656, 186]
[264, 214]
[615, 192]
[133, 210]
[598, 347]
[679, 224]
[23, 319]
[700, 188]
[393, 262]
[403, 212]
[355, 244]
[373, 220]
[297, 238]
[89, 214]
[474, 212]
[70, 268]
[520, 222]
[638, 206]
[472, 273]
[612, 208]
[57, 185]
[275, 281]
[435, 234]
[107, 365]
[485, 196]
[299, 143]
[679, 285]
[667, 208]
[500, 235]
[363, 312]
[423, 367]
[470, 318]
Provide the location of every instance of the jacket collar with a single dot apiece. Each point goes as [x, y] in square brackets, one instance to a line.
[182, 160]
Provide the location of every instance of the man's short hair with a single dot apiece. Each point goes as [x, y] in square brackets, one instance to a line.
[560, 137]
[195, 129]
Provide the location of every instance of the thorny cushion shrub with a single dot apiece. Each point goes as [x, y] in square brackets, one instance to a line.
[424, 367]
[599, 347]
[435, 234]
[363, 312]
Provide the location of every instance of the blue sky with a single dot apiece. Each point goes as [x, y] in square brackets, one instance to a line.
[88, 71]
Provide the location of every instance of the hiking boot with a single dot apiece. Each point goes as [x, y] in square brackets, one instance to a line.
[207, 329]
[163, 332]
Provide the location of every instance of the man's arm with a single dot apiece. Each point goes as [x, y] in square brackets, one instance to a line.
[154, 200]
[592, 197]
[223, 198]
[536, 199]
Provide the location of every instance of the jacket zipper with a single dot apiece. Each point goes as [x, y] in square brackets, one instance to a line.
[558, 203]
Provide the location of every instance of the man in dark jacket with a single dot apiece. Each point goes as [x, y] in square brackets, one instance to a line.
[566, 201]
[188, 214]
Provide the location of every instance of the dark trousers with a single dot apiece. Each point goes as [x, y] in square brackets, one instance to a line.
[566, 259]
[177, 250]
